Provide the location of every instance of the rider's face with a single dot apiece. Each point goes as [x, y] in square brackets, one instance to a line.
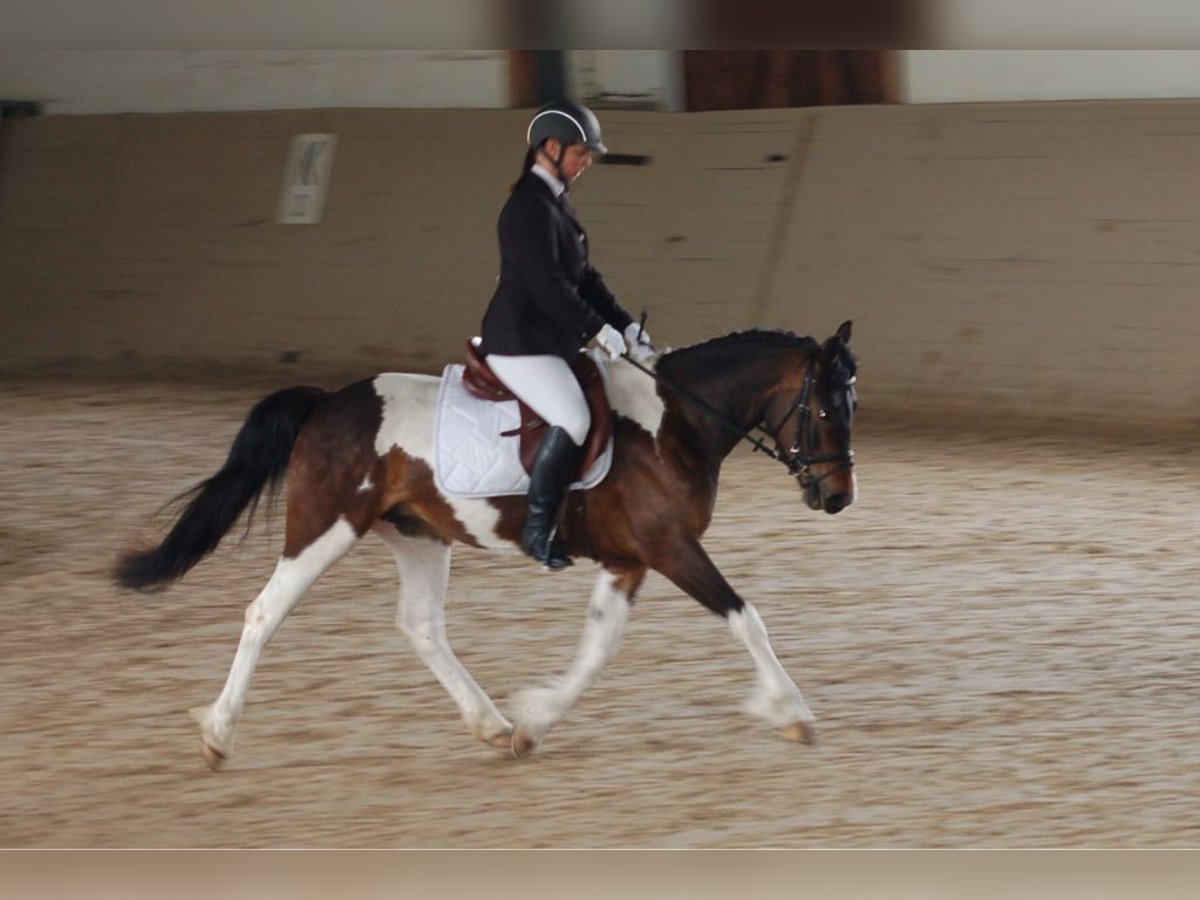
[575, 160]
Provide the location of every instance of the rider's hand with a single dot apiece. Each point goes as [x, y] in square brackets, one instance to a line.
[610, 341]
[640, 346]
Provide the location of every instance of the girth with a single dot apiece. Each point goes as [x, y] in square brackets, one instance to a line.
[480, 381]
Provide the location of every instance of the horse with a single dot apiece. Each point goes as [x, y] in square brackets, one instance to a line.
[359, 460]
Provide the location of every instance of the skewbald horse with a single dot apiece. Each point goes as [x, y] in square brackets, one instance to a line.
[360, 460]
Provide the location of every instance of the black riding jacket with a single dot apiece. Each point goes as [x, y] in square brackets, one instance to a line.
[549, 299]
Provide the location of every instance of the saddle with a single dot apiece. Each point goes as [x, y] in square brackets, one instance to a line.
[480, 381]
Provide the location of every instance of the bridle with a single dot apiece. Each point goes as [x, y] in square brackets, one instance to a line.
[799, 458]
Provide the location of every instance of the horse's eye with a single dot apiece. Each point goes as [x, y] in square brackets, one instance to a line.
[821, 413]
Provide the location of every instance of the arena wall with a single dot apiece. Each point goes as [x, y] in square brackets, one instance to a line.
[1009, 258]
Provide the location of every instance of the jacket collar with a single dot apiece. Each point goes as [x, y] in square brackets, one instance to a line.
[557, 188]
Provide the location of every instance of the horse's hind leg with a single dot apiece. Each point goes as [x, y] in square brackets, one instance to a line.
[288, 583]
[424, 565]
[537, 709]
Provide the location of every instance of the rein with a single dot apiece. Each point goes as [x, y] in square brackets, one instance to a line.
[797, 462]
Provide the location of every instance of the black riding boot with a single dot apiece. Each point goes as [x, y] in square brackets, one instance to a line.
[554, 468]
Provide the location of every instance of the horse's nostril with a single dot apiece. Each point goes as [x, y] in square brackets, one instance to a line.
[836, 503]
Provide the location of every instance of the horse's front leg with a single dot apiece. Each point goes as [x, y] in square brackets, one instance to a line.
[776, 699]
[535, 710]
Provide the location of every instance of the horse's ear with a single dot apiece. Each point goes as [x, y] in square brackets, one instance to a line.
[833, 347]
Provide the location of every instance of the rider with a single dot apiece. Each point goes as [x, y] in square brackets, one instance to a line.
[548, 305]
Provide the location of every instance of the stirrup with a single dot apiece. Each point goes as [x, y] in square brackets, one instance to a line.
[556, 557]
[552, 555]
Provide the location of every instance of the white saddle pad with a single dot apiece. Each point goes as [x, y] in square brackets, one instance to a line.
[471, 459]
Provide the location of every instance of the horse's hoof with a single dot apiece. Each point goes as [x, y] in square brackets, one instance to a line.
[801, 732]
[522, 744]
[501, 740]
[214, 757]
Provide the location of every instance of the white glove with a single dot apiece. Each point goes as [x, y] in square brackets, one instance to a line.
[610, 341]
[640, 347]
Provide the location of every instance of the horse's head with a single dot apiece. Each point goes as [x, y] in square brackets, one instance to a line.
[813, 437]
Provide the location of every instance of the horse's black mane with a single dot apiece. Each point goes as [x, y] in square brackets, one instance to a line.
[753, 340]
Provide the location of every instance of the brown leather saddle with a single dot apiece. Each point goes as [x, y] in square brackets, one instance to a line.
[480, 381]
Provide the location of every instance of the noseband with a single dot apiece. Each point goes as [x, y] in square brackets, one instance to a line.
[799, 457]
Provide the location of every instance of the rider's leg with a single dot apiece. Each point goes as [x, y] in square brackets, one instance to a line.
[547, 385]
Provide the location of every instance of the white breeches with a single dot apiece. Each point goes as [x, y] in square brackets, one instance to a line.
[548, 387]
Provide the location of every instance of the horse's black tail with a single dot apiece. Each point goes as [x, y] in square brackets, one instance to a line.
[257, 462]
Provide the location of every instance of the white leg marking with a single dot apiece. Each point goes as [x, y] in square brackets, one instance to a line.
[424, 575]
[776, 699]
[289, 581]
[537, 709]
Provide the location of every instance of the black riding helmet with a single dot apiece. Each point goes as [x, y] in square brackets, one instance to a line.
[568, 122]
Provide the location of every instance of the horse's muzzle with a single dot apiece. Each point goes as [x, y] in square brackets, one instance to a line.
[836, 503]
[839, 497]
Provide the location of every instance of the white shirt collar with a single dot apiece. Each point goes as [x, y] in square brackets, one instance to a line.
[555, 185]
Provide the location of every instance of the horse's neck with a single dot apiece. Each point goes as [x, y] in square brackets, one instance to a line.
[734, 387]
